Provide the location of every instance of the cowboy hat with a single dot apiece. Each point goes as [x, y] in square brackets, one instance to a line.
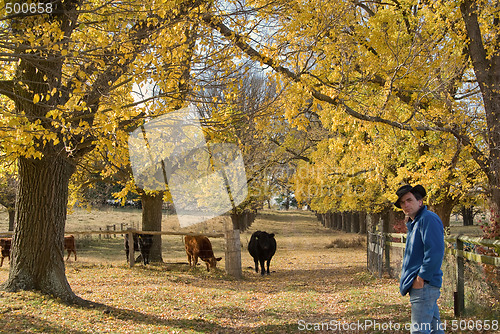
[403, 190]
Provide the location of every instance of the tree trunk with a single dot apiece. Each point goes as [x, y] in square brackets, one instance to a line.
[37, 259]
[468, 216]
[388, 220]
[151, 221]
[348, 223]
[355, 222]
[338, 221]
[443, 210]
[372, 221]
[12, 219]
[362, 222]
[238, 220]
[242, 220]
[493, 229]
[487, 70]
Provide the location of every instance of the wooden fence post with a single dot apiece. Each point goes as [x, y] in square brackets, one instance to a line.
[387, 251]
[233, 253]
[381, 241]
[131, 251]
[459, 295]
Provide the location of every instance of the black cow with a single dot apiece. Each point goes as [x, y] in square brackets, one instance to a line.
[262, 247]
[142, 243]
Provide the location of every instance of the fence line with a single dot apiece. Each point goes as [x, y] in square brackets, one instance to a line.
[211, 235]
[379, 249]
[130, 233]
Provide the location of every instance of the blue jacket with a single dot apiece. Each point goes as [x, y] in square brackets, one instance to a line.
[424, 251]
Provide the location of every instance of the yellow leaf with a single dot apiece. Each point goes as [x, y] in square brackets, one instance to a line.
[36, 98]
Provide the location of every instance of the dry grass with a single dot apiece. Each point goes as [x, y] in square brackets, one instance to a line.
[351, 242]
[309, 283]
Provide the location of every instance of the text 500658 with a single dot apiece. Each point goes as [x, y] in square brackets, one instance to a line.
[28, 8]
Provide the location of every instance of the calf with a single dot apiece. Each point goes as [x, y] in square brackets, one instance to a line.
[142, 243]
[69, 245]
[5, 244]
[198, 246]
[262, 247]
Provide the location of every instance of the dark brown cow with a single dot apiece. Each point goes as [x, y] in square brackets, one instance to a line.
[69, 245]
[5, 244]
[198, 246]
[141, 243]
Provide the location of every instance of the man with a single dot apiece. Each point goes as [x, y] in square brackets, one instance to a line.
[421, 274]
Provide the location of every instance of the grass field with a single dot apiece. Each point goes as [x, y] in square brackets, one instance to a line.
[313, 287]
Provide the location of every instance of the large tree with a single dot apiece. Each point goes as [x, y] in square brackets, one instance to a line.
[58, 68]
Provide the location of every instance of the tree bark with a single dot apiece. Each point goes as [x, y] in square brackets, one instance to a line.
[487, 71]
[362, 222]
[151, 221]
[468, 216]
[355, 222]
[12, 219]
[37, 259]
[373, 220]
[444, 209]
[242, 220]
[388, 221]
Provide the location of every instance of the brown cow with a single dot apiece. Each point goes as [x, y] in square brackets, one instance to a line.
[5, 244]
[69, 245]
[198, 246]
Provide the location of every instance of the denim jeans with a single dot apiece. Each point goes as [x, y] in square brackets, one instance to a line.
[424, 310]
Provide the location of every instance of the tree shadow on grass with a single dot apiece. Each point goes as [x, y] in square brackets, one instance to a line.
[315, 280]
[22, 323]
[200, 325]
[386, 317]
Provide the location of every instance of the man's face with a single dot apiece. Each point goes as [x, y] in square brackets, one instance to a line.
[410, 204]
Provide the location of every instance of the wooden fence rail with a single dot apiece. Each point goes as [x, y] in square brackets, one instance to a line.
[130, 233]
[232, 244]
[210, 235]
[379, 249]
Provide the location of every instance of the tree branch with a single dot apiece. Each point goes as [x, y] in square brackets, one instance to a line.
[295, 155]
[239, 41]
[7, 89]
